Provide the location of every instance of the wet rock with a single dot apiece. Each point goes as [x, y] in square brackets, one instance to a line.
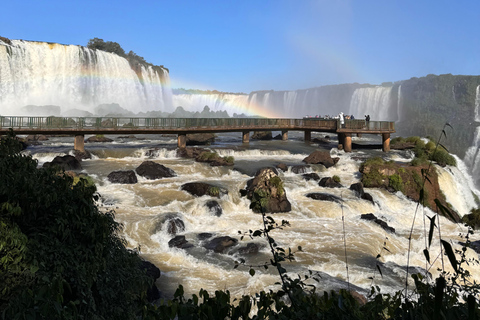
[179, 242]
[98, 138]
[152, 170]
[221, 244]
[277, 137]
[250, 248]
[267, 185]
[204, 236]
[125, 177]
[66, 162]
[200, 139]
[320, 157]
[261, 135]
[282, 166]
[368, 197]
[381, 223]
[311, 176]
[328, 182]
[191, 153]
[214, 207]
[358, 188]
[36, 137]
[82, 155]
[172, 223]
[200, 189]
[300, 169]
[323, 197]
[175, 225]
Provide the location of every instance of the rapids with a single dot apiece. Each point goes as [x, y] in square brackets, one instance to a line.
[316, 226]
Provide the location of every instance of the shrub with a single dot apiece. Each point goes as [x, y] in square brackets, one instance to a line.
[472, 219]
[229, 159]
[213, 191]
[395, 181]
[443, 158]
[336, 179]
[61, 258]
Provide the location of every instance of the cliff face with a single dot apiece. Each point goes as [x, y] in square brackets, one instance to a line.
[429, 102]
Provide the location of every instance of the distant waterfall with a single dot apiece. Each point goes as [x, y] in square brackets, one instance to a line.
[232, 103]
[472, 156]
[40, 73]
[373, 101]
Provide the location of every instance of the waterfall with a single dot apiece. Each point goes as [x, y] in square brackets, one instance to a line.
[472, 156]
[75, 77]
[232, 103]
[372, 101]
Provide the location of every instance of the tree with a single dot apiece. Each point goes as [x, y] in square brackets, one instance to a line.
[60, 257]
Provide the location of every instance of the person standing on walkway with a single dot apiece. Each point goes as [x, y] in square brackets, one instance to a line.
[342, 120]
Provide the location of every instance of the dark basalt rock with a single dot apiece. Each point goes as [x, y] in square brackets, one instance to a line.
[261, 135]
[125, 177]
[179, 242]
[250, 248]
[200, 139]
[79, 155]
[321, 157]
[311, 176]
[214, 207]
[204, 236]
[323, 197]
[381, 223]
[172, 223]
[282, 166]
[152, 170]
[191, 153]
[328, 182]
[98, 139]
[175, 226]
[200, 189]
[300, 169]
[368, 197]
[66, 162]
[358, 188]
[221, 244]
[267, 185]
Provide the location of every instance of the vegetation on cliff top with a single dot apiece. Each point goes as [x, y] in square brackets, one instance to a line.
[113, 47]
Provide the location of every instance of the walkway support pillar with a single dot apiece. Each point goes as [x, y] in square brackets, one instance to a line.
[284, 135]
[386, 142]
[347, 142]
[246, 136]
[182, 141]
[79, 143]
[308, 135]
[341, 140]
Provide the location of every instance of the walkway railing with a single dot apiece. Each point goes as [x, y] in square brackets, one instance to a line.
[119, 123]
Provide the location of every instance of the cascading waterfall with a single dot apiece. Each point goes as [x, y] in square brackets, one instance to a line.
[68, 76]
[233, 103]
[472, 156]
[372, 101]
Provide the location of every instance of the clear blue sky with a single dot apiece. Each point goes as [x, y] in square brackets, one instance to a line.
[248, 45]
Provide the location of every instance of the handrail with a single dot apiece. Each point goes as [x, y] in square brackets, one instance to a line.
[119, 123]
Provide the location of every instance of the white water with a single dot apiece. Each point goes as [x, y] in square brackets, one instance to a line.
[315, 225]
[372, 101]
[233, 103]
[75, 77]
[472, 156]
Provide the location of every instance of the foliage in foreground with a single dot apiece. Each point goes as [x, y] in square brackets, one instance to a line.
[60, 257]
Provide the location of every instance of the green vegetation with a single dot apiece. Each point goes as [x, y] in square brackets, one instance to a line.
[60, 257]
[213, 191]
[276, 182]
[472, 219]
[430, 102]
[336, 179]
[395, 181]
[113, 47]
[424, 152]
